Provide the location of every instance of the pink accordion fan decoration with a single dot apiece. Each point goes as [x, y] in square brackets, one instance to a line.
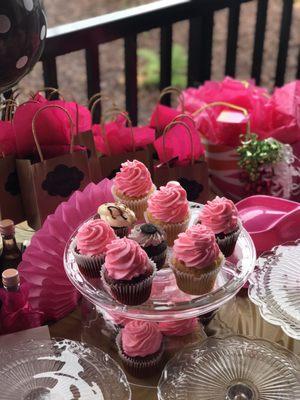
[50, 290]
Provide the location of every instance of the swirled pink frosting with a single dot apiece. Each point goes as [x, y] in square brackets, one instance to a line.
[134, 179]
[141, 338]
[125, 259]
[197, 247]
[169, 203]
[220, 215]
[93, 237]
[178, 328]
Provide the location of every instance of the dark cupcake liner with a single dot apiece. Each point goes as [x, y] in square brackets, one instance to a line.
[227, 242]
[159, 259]
[121, 231]
[89, 266]
[141, 367]
[131, 293]
[194, 285]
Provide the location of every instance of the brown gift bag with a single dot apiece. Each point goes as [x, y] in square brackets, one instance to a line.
[111, 164]
[86, 139]
[11, 206]
[193, 178]
[45, 184]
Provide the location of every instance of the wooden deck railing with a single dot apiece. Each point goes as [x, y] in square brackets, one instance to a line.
[90, 34]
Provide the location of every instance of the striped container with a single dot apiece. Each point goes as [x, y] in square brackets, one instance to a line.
[224, 171]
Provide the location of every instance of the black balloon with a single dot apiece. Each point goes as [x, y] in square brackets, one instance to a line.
[22, 37]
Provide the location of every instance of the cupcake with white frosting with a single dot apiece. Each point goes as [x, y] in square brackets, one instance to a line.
[119, 217]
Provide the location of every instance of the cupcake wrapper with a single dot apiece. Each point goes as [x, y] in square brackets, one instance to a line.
[139, 367]
[159, 259]
[121, 231]
[191, 284]
[172, 230]
[89, 266]
[137, 206]
[227, 244]
[131, 294]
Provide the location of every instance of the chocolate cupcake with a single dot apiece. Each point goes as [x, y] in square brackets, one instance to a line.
[119, 217]
[89, 246]
[128, 272]
[153, 240]
[197, 260]
[221, 216]
[141, 348]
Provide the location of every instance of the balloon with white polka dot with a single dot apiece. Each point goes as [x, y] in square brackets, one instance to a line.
[5, 23]
[28, 4]
[23, 31]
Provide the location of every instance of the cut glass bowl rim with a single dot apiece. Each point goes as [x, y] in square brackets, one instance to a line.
[290, 326]
[95, 356]
[288, 357]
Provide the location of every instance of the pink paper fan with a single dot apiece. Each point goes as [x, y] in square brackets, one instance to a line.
[42, 267]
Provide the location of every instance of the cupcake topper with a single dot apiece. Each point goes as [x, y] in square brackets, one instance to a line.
[34, 128]
[188, 129]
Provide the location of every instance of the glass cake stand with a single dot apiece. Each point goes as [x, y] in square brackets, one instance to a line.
[60, 370]
[232, 368]
[167, 302]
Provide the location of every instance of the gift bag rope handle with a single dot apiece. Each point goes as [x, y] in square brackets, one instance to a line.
[188, 129]
[184, 116]
[9, 106]
[170, 90]
[98, 98]
[225, 104]
[21, 90]
[114, 112]
[34, 127]
[176, 92]
[52, 92]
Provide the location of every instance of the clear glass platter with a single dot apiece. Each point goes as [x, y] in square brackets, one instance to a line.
[233, 368]
[167, 302]
[60, 370]
[275, 287]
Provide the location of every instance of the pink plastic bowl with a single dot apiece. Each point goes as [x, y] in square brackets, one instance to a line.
[270, 220]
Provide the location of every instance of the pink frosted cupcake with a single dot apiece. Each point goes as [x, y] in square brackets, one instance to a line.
[133, 187]
[179, 328]
[197, 260]
[141, 348]
[180, 334]
[168, 208]
[89, 247]
[221, 216]
[128, 272]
